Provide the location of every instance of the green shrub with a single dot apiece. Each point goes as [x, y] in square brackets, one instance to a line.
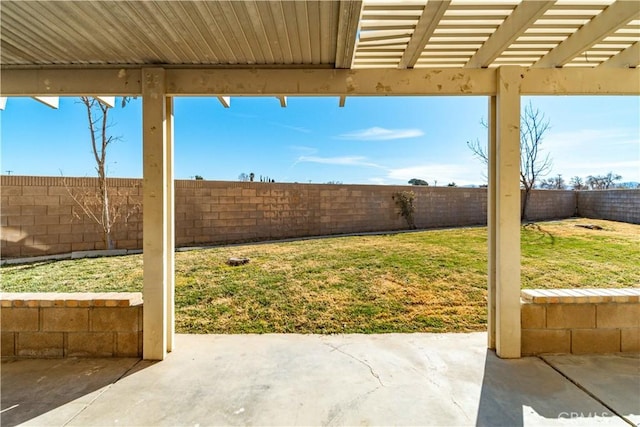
[405, 201]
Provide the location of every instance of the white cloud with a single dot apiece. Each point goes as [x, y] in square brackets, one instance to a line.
[595, 152]
[443, 173]
[629, 170]
[303, 149]
[590, 137]
[378, 181]
[606, 165]
[341, 161]
[381, 134]
[296, 128]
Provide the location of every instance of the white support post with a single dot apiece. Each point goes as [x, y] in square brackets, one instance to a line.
[507, 211]
[171, 241]
[155, 215]
[491, 227]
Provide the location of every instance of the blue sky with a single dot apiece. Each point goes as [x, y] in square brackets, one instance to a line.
[372, 140]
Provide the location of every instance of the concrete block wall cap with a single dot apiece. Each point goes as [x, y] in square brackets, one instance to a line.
[580, 296]
[70, 299]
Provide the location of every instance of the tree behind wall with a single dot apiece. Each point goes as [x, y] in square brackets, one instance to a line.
[105, 206]
[603, 182]
[533, 164]
[554, 183]
[418, 181]
[577, 183]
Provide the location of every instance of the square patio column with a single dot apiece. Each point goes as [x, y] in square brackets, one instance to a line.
[506, 187]
[157, 171]
[170, 236]
[491, 226]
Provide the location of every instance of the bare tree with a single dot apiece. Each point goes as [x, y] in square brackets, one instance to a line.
[533, 164]
[554, 183]
[577, 183]
[603, 182]
[106, 206]
[610, 178]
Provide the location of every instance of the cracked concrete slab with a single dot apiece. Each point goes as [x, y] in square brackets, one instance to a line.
[614, 379]
[391, 379]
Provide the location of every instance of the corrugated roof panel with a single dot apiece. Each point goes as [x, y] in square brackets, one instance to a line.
[285, 33]
[169, 32]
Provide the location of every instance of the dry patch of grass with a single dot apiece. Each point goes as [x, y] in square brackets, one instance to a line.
[424, 281]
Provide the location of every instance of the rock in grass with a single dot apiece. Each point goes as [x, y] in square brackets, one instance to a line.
[589, 226]
[233, 262]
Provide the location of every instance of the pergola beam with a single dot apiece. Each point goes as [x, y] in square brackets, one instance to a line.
[581, 81]
[71, 82]
[109, 101]
[630, 57]
[607, 22]
[348, 23]
[319, 82]
[225, 101]
[431, 15]
[522, 17]
[49, 101]
[188, 82]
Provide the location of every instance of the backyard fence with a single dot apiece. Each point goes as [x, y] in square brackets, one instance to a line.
[40, 217]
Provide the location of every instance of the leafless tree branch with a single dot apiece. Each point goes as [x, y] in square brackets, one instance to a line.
[533, 164]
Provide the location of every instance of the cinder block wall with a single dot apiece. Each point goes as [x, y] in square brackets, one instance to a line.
[50, 325]
[40, 217]
[220, 212]
[616, 205]
[580, 321]
[550, 204]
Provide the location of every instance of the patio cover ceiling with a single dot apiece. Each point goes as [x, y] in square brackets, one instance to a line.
[330, 34]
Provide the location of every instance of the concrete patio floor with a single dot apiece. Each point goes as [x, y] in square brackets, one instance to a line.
[394, 379]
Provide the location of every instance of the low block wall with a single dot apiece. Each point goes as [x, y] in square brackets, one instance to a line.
[616, 205]
[57, 325]
[580, 321]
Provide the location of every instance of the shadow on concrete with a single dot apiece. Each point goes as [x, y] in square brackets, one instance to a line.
[30, 388]
[599, 375]
[518, 392]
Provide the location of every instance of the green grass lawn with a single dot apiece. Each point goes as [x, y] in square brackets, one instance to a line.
[430, 281]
